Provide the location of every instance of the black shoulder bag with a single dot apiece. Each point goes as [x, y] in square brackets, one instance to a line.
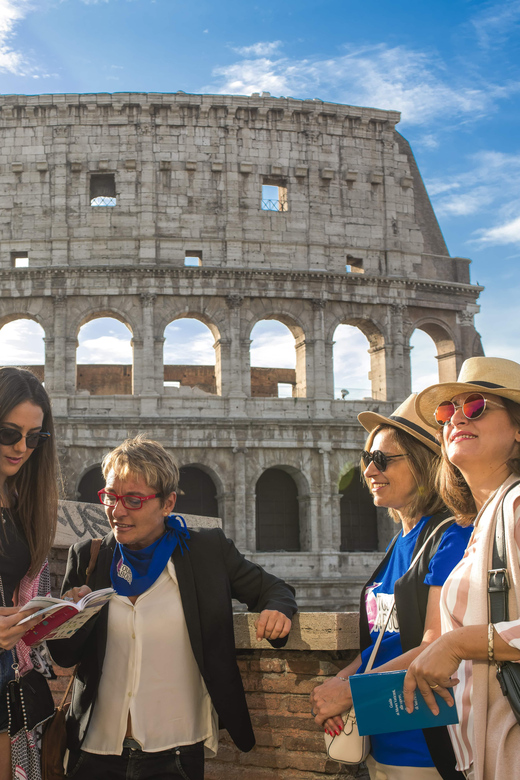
[508, 672]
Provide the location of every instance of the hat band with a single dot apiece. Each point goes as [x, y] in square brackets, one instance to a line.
[485, 384]
[414, 427]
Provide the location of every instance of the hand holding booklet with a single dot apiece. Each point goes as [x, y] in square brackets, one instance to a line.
[62, 617]
[379, 705]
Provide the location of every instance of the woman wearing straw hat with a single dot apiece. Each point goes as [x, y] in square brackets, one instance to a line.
[399, 463]
[479, 417]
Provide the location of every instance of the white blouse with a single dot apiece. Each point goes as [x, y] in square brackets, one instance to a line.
[150, 672]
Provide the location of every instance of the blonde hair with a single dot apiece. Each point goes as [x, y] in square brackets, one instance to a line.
[142, 457]
[452, 486]
[423, 464]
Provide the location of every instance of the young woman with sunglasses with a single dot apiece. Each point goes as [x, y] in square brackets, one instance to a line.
[479, 419]
[29, 508]
[399, 464]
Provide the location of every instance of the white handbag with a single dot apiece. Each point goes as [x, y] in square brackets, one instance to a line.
[349, 747]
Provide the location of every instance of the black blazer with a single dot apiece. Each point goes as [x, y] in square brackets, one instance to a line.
[211, 574]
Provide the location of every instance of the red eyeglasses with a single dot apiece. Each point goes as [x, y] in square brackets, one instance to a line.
[473, 407]
[129, 502]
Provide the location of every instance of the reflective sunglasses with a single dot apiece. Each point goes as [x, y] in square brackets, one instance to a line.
[129, 502]
[472, 408]
[379, 459]
[9, 436]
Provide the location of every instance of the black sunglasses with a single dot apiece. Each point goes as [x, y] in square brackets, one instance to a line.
[9, 436]
[378, 458]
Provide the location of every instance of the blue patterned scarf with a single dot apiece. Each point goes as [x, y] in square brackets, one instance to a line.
[134, 571]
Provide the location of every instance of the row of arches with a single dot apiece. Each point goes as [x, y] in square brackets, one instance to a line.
[277, 507]
[188, 342]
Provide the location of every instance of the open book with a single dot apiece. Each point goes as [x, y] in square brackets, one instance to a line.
[379, 705]
[62, 618]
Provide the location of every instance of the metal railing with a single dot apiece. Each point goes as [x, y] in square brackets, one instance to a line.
[274, 205]
[103, 201]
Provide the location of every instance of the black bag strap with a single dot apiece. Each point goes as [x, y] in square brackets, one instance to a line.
[498, 577]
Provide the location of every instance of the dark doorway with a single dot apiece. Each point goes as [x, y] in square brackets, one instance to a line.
[277, 512]
[89, 485]
[358, 516]
[199, 493]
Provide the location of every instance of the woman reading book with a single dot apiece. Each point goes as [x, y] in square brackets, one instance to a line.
[29, 509]
[157, 665]
[398, 463]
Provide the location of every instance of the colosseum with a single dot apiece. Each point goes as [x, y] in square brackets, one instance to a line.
[149, 208]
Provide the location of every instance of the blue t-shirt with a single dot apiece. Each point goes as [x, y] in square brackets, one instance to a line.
[405, 748]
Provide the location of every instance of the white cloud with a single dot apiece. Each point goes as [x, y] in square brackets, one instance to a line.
[188, 342]
[493, 25]
[272, 345]
[22, 344]
[416, 83]
[351, 363]
[508, 233]
[11, 12]
[260, 49]
[105, 349]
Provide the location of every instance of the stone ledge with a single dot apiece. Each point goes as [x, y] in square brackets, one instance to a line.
[310, 631]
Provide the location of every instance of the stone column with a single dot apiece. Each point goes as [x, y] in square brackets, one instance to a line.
[244, 526]
[235, 362]
[390, 362]
[144, 366]
[320, 364]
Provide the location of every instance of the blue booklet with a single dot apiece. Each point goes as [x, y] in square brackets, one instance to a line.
[379, 705]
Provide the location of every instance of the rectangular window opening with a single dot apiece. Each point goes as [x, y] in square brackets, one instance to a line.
[285, 390]
[102, 189]
[274, 195]
[20, 259]
[354, 265]
[193, 258]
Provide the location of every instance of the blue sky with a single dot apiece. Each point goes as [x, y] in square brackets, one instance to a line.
[452, 69]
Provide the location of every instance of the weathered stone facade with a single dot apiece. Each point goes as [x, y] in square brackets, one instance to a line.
[355, 241]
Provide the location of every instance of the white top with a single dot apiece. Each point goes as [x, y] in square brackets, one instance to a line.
[150, 672]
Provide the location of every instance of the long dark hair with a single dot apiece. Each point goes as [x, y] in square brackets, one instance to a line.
[33, 490]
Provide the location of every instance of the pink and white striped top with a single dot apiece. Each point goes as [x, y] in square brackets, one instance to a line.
[483, 711]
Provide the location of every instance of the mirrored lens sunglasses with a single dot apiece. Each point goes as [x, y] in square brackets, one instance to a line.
[9, 436]
[378, 458]
[473, 407]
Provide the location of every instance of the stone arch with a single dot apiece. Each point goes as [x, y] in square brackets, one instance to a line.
[113, 378]
[358, 515]
[33, 361]
[375, 335]
[201, 490]
[445, 344]
[266, 509]
[208, 377]
[296, 328]
[90, 481]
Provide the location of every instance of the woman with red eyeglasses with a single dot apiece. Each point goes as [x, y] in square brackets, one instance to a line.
[479, 479]
[399, 465]
[157, 666]
[29, 509]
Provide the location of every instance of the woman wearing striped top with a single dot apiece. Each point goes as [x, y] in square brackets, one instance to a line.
[479, 478]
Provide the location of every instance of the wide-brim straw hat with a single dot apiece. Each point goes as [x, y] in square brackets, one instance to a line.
[494, 376]
[406, 419]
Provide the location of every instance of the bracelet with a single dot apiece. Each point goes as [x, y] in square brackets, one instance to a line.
[345, 679]
[491, 643]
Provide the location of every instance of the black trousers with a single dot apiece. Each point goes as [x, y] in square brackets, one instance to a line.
[181, 763]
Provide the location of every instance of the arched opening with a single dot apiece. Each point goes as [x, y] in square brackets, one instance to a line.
[423, 361]
[358, 514]
[352, 367]
[277, 360]
[104, 357]
[199, 494]
[189, 356]
[446, 354]
[277, 512]
[89, 484]
[22, 343]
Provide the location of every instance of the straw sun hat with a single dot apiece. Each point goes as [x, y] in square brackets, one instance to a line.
[406, 419]
[494, 376]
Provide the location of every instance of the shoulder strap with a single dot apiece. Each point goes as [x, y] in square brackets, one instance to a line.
[498, 577]
[95, 546]
[390, 612]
